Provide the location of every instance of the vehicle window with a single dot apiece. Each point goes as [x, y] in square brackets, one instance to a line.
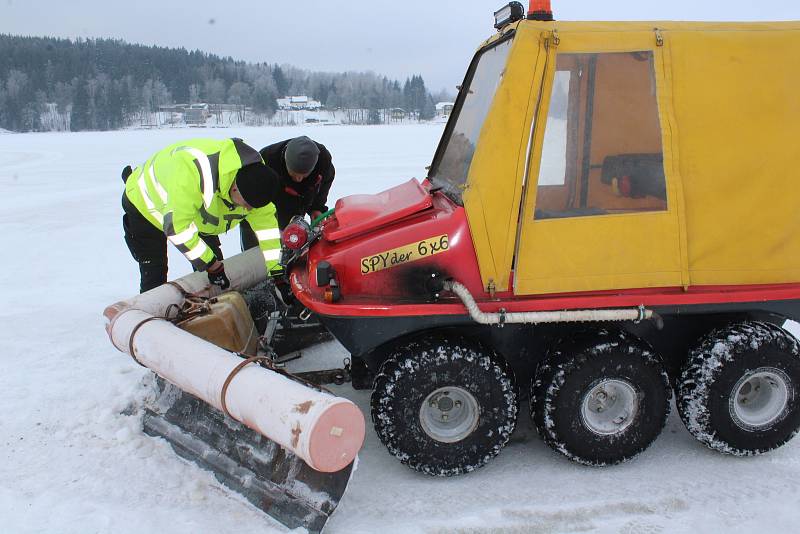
[451, 168]
[602, 145]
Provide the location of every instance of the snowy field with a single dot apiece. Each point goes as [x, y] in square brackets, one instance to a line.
[71, 463]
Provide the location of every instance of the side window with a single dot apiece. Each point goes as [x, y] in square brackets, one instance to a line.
[602, 145]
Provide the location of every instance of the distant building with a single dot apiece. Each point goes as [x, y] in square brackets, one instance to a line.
[173, 114]
[196, 114]
[397, 114]
[173, 108]
[443, 109]
[301, 102]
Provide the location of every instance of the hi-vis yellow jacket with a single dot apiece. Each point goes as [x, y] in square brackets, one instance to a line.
[184, 190]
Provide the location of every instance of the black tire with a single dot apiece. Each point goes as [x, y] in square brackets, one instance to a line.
[730, 360]
[609, 363]
[416, 372]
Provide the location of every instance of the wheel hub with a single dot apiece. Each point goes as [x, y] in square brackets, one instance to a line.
[760, 398]
[449, 414]
[610, 406]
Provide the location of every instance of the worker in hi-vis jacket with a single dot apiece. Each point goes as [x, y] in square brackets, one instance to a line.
[189, 193]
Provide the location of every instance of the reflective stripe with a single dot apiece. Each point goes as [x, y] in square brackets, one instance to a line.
[183, 237]
[231, 218]
[197, 251]
[200, 265]
[169, 226]
[180, 239]
[157, 186]
[272, 233]
[272, 255]
[147, 201]
[206, 175]
[207, 217]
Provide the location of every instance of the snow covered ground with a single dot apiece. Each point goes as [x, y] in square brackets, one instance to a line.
[71, 463]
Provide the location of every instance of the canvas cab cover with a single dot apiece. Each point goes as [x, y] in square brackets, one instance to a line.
[633, 155]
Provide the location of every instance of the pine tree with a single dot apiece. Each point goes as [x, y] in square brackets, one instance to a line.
[79, 116]
[264, 94]
[281, 83]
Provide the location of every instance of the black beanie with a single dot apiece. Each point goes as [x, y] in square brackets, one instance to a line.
[258, 184]
[301, 155]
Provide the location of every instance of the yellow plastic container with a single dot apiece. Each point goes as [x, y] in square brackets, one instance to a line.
[227, 324]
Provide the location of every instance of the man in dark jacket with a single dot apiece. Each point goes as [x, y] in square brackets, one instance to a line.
[306, 173]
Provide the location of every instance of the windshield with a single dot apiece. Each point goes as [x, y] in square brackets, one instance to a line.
[454, 156]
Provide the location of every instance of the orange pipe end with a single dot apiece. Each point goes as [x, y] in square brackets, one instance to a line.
[336, 438]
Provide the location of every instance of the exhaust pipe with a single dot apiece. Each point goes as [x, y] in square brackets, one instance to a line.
[501, 318]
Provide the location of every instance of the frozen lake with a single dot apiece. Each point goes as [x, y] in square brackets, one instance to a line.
[71, 463]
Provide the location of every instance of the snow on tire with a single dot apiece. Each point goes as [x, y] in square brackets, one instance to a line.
[600, 398]
[740, 390]
[444, 406]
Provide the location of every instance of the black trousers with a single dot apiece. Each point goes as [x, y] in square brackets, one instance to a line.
[148, 246]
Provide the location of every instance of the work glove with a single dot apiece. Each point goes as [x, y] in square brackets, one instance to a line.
[218, 277]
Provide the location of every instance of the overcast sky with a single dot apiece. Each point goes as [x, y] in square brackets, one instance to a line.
[398, 38]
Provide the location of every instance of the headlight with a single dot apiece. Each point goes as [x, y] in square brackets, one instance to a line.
[508, 14]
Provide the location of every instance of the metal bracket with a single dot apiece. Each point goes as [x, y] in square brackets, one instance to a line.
[551, 39]
[659, 37]
[326, 376]
[490, 287]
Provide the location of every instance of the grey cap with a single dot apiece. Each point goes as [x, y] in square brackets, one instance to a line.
[301, 155]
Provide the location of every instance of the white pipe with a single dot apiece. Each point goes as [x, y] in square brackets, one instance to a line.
[325, 431]
[243, 270]
[624, 314]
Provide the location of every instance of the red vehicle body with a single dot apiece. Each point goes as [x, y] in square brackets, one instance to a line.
[384, 255]
[405, 297]
[577, 209]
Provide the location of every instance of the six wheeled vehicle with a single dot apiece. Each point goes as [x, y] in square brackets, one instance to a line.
[609, 218]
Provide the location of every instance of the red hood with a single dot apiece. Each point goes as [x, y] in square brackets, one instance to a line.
[358, 214]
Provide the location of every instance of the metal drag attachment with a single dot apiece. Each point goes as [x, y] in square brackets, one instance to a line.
[272, 479]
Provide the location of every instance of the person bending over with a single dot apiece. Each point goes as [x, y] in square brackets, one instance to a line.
[189, 193]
